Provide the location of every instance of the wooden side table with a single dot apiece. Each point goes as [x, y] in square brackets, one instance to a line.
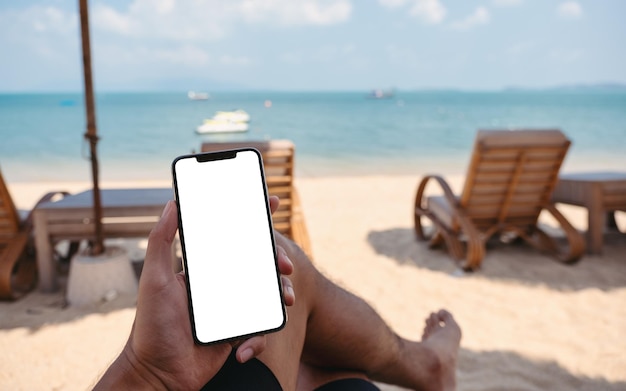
[601, 193]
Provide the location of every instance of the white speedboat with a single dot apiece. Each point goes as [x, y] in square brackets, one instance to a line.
[235, 116]
[221, 126]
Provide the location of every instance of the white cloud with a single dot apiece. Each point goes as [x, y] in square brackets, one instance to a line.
[209, 20]
[40, 20]
[287, 12]
[334, 13]
[179, 22]
[570, 10]
[47, 32]
[107, 18]
[429, 11]
[164, 7]
[392, 3]
[50, 19]
[507, 3]
[479, 16]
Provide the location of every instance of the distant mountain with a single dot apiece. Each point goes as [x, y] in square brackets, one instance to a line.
[604, 87]
[599, 86]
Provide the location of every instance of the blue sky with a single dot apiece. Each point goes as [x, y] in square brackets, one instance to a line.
[144, 45]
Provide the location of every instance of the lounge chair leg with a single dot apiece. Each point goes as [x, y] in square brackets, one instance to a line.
[436, 240]
[419, 230]
[25, 277]
[576, 243]
[542, 241]
[453, 244]
[475, 254]
[611, 223]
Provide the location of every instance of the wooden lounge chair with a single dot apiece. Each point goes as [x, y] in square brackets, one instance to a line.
[509, 181]
[278, 162]
[18, 268]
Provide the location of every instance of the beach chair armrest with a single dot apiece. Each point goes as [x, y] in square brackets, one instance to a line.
[28, 221]
[447, 191]
[576, 242]
[475, 246]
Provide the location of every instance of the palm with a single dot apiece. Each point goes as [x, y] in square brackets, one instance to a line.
[166, 346]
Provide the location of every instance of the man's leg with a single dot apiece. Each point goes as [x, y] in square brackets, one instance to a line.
[337, 334]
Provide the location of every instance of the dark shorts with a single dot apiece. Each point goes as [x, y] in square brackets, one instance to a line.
[254, 375]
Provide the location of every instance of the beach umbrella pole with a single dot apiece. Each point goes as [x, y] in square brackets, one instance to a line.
[97, 247]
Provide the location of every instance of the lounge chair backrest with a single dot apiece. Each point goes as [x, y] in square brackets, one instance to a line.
[18, 269]
[278, 163]
[9, 218]
[16, 277]
[511, 175]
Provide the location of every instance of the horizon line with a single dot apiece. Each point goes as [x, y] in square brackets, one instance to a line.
[562, 87]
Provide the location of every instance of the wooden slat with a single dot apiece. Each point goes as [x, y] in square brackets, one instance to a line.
[511, 176]
[486, 188]
[614, 196]
[278, 164]
[8, 213]
[13, 238]
[114, 230]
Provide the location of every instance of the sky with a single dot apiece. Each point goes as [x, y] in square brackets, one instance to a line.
[313, 45]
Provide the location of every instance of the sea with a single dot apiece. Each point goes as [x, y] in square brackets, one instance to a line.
[335, 133]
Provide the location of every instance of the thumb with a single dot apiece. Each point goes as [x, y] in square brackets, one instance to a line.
[158, 261]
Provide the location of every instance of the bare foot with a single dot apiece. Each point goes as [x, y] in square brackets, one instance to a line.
[443, 335]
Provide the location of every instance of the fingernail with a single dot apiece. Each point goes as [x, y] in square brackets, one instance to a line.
[246, 355]
[283, 253]
[167, 208]
[290, 291]
[288, 260]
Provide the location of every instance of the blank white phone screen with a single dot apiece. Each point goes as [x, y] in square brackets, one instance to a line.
[228, 247]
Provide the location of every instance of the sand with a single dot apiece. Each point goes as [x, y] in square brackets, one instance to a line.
[529, 323]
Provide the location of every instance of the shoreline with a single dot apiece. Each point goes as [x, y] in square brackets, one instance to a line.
[158, 168]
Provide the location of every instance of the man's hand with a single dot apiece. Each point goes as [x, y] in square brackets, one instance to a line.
[160, 352]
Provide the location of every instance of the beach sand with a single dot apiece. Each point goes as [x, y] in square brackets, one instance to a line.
[529, 323]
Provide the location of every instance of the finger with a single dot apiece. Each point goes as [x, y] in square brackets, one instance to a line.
[251, 348]
[159, 251]
[288, 293]
[274, 203]
[285, 265]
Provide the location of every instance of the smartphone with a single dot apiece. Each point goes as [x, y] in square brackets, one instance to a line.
[228, 248]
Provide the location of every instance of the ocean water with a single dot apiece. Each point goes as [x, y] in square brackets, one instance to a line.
[335, 133]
